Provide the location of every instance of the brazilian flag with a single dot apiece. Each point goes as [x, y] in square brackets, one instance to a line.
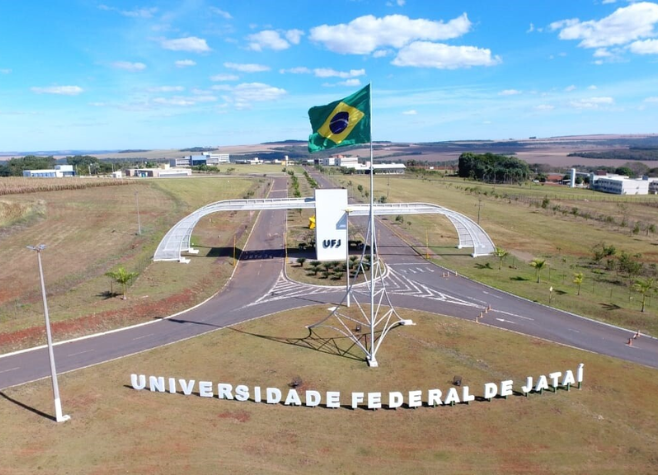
[341, 123]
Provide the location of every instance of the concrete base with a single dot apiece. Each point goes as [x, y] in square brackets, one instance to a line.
[372, 362]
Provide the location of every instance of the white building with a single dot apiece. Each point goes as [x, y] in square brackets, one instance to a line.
[379, 168]
[343, 161]
[623, 185]
[216, 158]
[60, 171]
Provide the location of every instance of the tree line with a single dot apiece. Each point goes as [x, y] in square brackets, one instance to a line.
[492, 168]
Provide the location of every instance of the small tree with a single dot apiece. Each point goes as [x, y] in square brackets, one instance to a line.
[644, 287]
[123, 277]
[301, 261]
[501, 254]
[578, 280]
[538, 264]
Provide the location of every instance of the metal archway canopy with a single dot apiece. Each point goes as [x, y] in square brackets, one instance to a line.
[177, 239]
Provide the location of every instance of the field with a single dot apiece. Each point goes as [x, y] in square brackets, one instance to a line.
[517, 221]
[91, 231]
[610, 426]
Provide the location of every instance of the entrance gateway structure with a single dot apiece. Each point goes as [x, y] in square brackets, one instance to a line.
[331, 202]
[332, 213]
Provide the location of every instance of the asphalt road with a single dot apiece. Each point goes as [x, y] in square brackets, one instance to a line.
[258, 288]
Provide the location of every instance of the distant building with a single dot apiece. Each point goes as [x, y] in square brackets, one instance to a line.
[163, 172]
[205, 158]
[623, 185]
[378, 168]
[60, 171]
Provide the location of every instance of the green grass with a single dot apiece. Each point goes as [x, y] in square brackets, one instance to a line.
[610, 426]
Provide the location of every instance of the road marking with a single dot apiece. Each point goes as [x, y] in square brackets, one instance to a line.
[572, 330]
[10, 369]
[79, 353]
[493, 295]
[143, 336]
[505, 321]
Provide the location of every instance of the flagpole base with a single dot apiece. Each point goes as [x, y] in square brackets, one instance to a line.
[372, 361]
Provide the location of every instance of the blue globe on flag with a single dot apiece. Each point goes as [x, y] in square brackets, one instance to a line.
[339, 122]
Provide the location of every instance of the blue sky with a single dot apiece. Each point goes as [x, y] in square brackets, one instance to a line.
[115, 74]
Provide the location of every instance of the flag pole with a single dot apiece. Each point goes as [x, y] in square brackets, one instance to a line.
[372, 361]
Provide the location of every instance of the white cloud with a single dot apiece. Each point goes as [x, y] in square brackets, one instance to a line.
[271, 39]
[435, 55]
[544, 107]
[366, 34]
[128, 66]
[570, 88]
[399, 3]
[294, 36]
[349, 83]
[224, 77]
[166, 89]
[602, 53]
[623, 26]
[331, 73]
[605, 2]
[243, 95]
[184, 63]
[136, 13]
[267, 39]
[509, 92]
[592, 87]
[5, 71]
[297, 70]
[651, 100]
[98, 104]
[644, 47]
[221, 13]
[247, 67]
[410, 112]
[531, 28]
[204, 98]
[62, 90]
[221, 87]
[174, 101]
[191, 43]
[592, 102]
[380, 53]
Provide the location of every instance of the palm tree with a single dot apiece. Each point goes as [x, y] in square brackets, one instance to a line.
[501, 254]
[644, 287]
[538, 264]
[578, 280]
[123, 277]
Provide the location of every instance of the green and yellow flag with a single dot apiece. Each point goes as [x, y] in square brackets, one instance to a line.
[341, 123]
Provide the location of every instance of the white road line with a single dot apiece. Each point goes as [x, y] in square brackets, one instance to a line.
[143, 336]
[10, 369]
[572, 330]
[505, 321]
[79, 353]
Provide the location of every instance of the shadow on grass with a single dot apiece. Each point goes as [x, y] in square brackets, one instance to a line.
[337, 346]
[519, 278]
[108, 295]
[610, 306]
[483, 266]
[25, 406]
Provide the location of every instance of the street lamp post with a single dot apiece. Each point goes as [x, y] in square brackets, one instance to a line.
[59, 417]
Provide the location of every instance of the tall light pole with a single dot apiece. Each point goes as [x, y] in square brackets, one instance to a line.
[139, 223]
[59, 417]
